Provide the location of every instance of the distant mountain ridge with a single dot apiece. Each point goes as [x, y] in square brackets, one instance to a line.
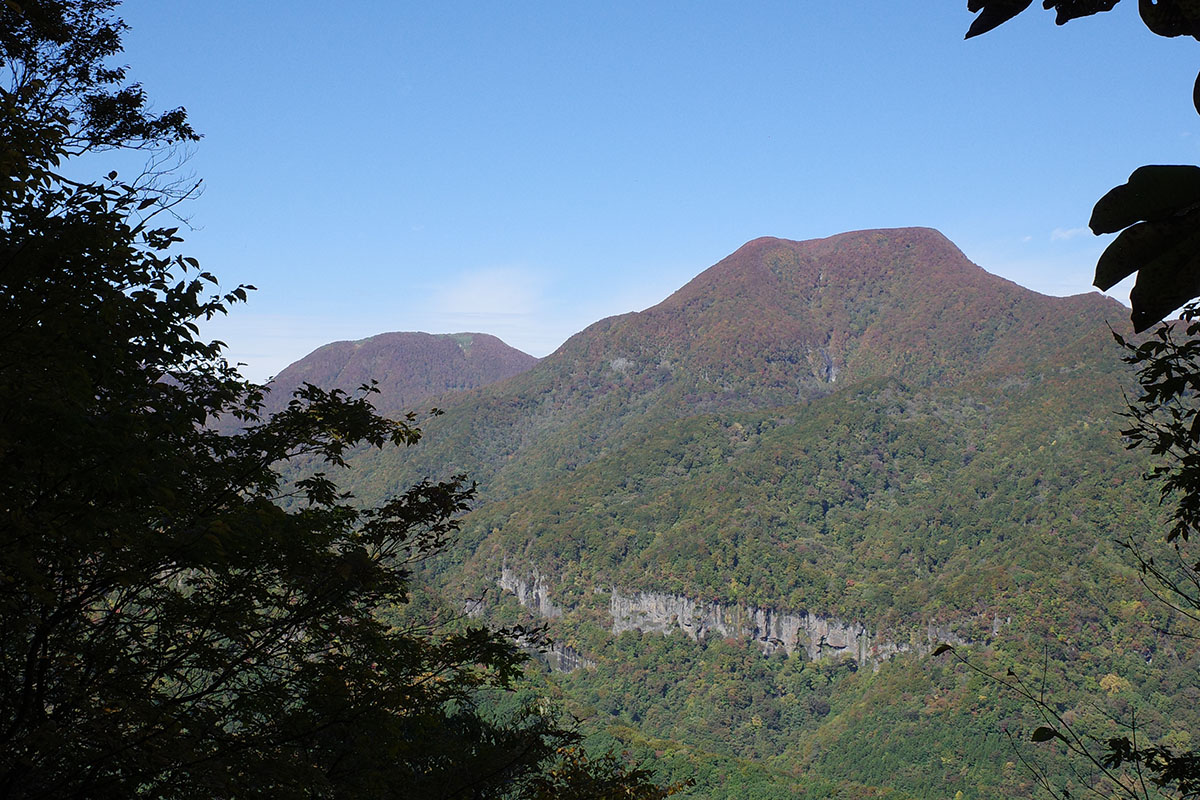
[409, 367]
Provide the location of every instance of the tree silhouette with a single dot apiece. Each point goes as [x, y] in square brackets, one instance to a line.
[177, 619]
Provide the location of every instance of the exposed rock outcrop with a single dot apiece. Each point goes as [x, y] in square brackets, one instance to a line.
[565, 658]
[531, 591]
[819, 637]
[772, 629]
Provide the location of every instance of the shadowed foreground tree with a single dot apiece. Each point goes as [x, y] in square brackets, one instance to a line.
[167, 627]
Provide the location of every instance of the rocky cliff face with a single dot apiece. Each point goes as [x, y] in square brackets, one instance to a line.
[770, 628]
[565, 658]
[531, 591]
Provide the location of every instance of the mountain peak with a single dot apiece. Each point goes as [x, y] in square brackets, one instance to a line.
[838, 262]
[792, 317]
[410, 367]
[930, 237]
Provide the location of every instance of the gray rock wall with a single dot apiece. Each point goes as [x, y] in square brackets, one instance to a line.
[819, 637]
[531, 591]
[566, 659]
[772, 629]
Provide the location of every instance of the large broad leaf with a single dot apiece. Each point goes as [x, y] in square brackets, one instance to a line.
[1163, 17]
[1136, 246]
[993, 13]
[1166, 256]
[1152, 193]
[1067, 10]
[1158, 210]
[1171, 17]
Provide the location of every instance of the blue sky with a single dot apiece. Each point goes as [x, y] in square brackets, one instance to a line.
[525, 169]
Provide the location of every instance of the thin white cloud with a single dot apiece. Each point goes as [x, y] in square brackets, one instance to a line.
[512, 303]
[492, 291]
[1066, 234]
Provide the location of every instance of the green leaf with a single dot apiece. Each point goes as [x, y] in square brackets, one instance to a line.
[1166, 257]
[941, 648]
[1171, 17]
[1170, 278]
[1068, 10]
[1159, 210]
[1143, 244]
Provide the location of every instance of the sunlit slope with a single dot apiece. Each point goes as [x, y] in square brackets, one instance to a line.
[774, 323]
[884, 504]
[988, 508]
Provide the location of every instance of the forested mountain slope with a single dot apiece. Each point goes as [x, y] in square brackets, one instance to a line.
[774, 323]
[845, 448]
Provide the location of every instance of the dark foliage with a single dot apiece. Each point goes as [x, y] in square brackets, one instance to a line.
[1165, 418]
[168, 626]
[57, 54]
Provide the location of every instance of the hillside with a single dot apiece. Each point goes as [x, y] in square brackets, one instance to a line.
[774, 323]
[409, 368]
[749, 512]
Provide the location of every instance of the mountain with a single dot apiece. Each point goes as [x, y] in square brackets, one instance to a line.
[774, 323]
[748, 513]
[796, 317]
[409, 368]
